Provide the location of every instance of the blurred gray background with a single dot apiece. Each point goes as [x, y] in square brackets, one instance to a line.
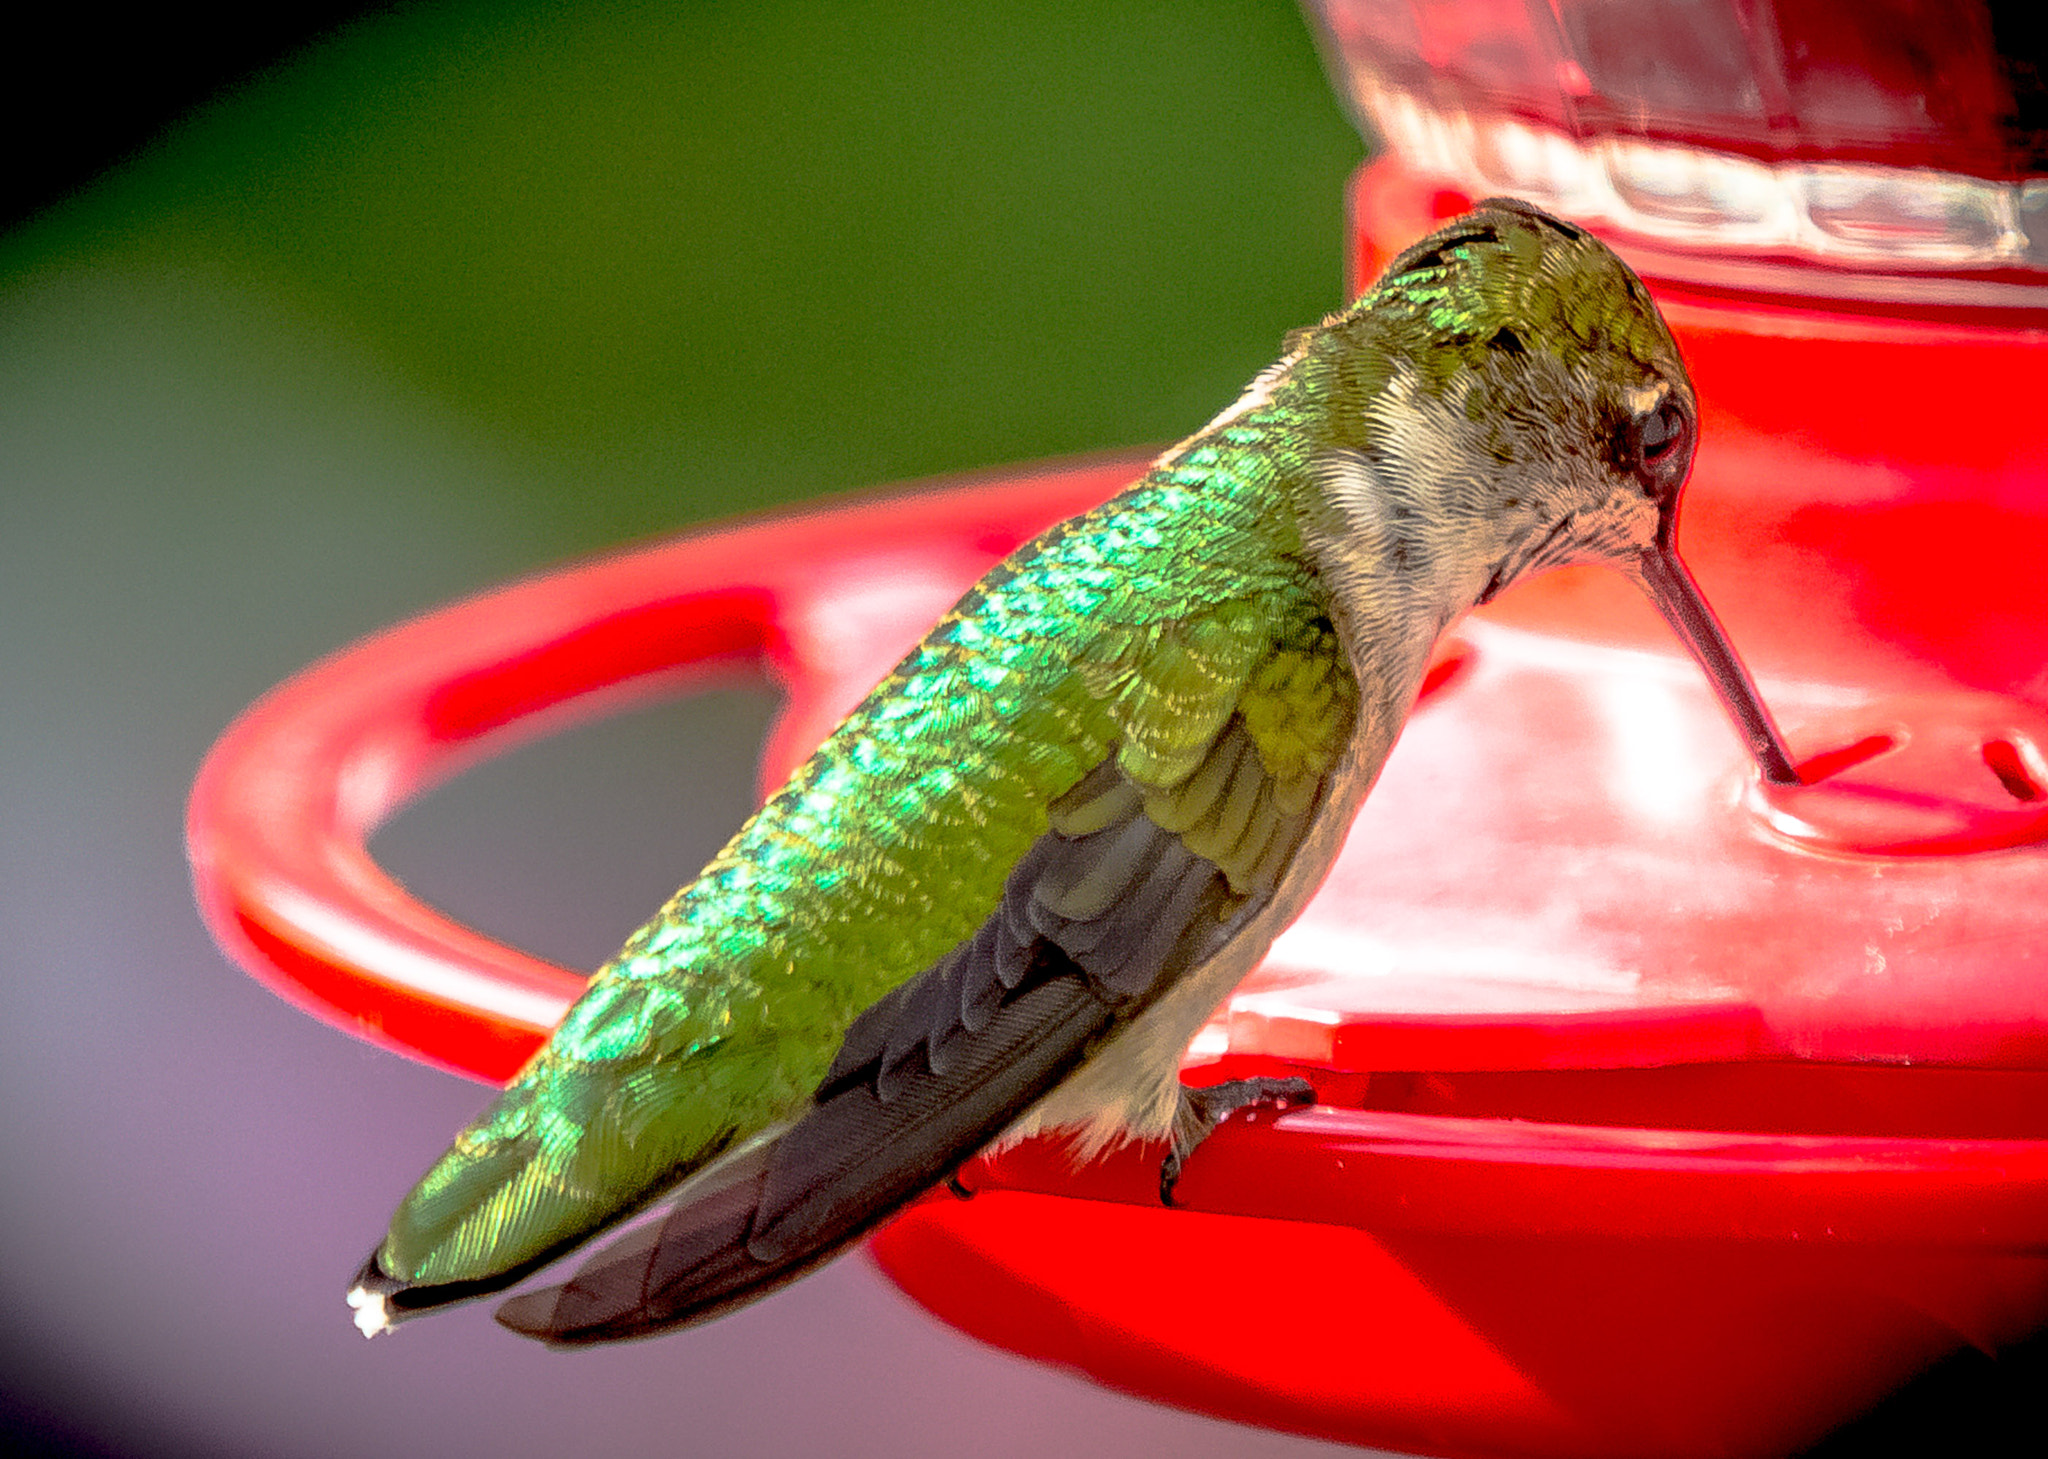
[311, 323]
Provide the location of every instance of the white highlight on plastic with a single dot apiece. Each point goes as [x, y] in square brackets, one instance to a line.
[1663, 756]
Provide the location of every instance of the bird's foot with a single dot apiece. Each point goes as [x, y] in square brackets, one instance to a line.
[1202, 1110]
[959, 1187]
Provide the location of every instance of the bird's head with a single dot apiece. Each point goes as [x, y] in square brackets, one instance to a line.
[1506, 398]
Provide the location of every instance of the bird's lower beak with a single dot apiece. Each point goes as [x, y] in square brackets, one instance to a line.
[1678, 598]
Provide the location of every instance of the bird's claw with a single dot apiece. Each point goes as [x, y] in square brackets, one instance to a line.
[1203, 1109]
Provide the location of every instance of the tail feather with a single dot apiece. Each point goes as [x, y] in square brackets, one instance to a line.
[768, 1214]
[691, 1260]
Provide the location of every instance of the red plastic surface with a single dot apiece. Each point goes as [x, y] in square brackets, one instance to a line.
[1659, 1114]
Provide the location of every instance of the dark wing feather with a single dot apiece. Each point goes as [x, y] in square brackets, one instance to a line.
[1090, 929]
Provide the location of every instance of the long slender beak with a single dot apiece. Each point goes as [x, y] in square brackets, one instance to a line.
[1678, 598]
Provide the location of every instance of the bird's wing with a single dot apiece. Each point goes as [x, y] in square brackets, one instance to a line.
[1145, 636]
[1133, 883]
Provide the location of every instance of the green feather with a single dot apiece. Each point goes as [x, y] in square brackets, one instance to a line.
[1144, 628]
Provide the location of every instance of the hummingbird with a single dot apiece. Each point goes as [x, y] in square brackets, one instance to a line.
[1008, 889]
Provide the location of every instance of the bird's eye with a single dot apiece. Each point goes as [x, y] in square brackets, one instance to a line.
[1659, 432]
[1659, 446]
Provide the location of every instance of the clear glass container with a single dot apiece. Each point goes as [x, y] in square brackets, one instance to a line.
[1863, 142]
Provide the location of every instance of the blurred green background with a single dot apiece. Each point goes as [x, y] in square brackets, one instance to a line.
[672, 260]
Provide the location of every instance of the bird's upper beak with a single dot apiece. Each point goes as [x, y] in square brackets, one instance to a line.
[1678, 598]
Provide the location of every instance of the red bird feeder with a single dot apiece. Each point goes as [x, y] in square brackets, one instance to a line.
[1660, 1111]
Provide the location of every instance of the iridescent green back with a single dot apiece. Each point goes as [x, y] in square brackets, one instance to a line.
[1139, 629]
